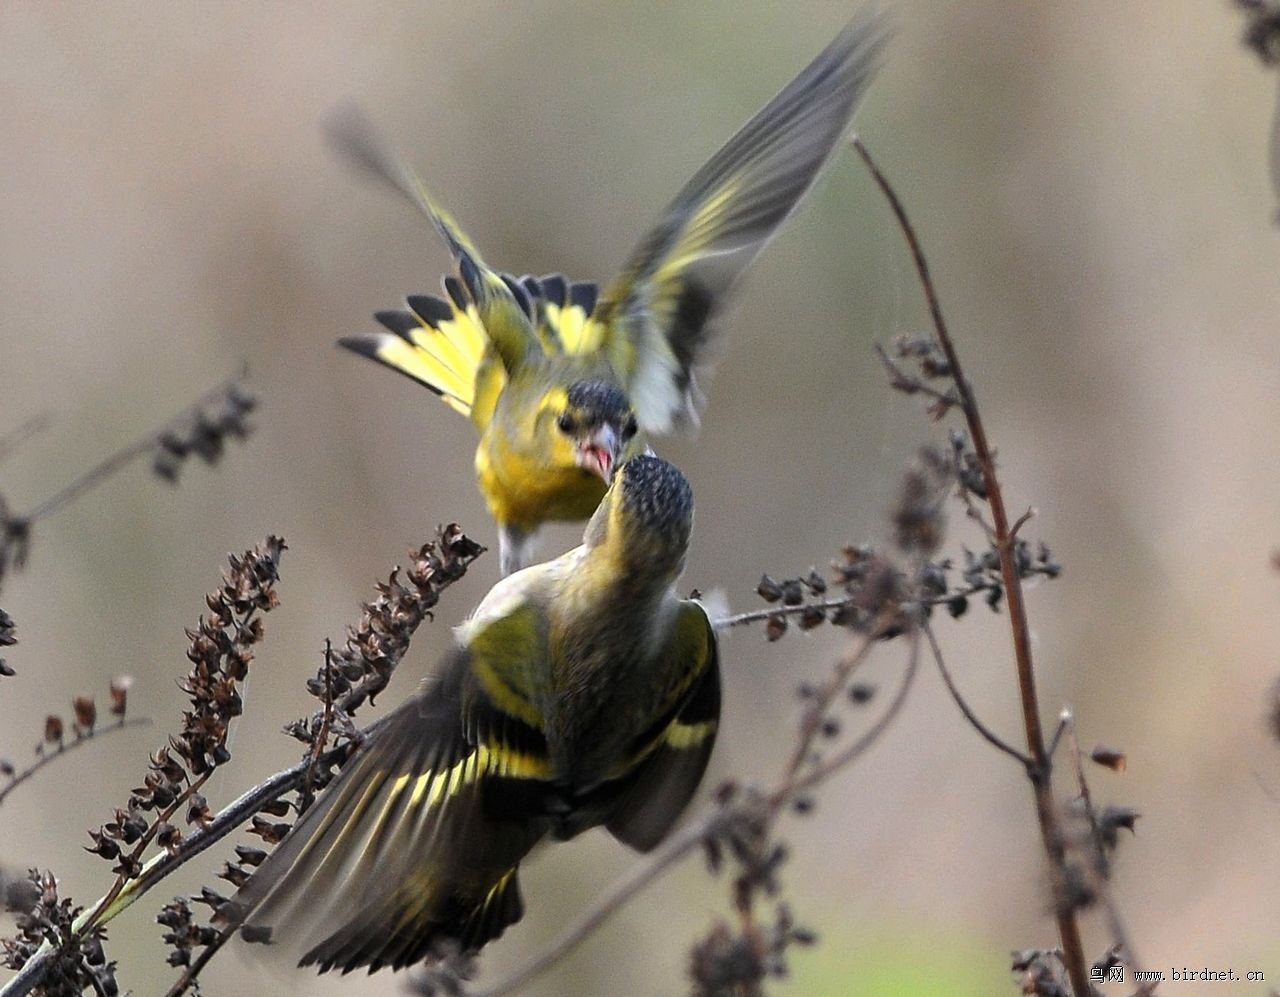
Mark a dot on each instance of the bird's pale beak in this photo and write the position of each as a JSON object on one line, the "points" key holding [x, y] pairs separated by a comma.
{"points": [[598, 451]]}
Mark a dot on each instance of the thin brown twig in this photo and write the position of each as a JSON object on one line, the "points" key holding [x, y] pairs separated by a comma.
{"points": [[987, 733], [686, 840], [1058, 733], [65, 747], [976, 514], [19, 435], [322, 735], [1099, 880], [900, 379], [824, 769], [818, 704], [189, 975], [125, 878], [1021, 521], [1040, 770], [972, 509]]}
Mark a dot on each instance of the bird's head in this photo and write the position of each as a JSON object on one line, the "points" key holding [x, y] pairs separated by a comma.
{"points": [[593, 424], [646, 516]]}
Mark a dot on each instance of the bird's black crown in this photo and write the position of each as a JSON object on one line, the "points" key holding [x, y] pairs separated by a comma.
{"points": [[657, 496]]}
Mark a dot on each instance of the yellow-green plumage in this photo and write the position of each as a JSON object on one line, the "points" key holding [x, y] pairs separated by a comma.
{"points": [[581, 692], [497, 348]]}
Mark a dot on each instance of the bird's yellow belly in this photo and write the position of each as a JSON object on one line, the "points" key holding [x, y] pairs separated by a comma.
{"points": [[524, 492]]}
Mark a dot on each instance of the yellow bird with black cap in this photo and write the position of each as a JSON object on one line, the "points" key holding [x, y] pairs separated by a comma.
{"points": [[560, 379]]}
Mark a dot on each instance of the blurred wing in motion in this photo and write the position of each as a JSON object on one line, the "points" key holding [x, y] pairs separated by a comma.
{"points": [[405, 849], [439, 342], [654, 320]]}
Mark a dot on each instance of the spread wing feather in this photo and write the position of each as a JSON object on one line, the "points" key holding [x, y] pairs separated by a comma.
{"points": [[404, 850], [675, 754], [654, 320]]}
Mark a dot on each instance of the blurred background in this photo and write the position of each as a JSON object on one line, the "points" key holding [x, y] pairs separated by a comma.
{"points": [[1090, 182]]}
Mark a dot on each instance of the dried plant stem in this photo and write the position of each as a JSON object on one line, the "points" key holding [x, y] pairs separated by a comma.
{"points": [[987, 733], [13, 439], [686, 840], [188, 977], [322, 735], [160, 866], [1098, 879], [67, 747], [757, 615], [1040, 770], [123, 880], [829, 605], [95, 476]]}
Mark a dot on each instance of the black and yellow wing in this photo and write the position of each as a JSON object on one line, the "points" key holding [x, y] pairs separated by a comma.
{"points": [[672, 754], [443, 342], [655, 321], [416, 842], [464, 345]]}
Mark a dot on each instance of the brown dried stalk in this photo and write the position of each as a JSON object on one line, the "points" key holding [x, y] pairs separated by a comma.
{"points": [[1039, 770]]}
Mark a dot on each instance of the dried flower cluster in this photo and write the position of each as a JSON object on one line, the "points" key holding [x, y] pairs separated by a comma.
{"points": [[220, 653], [1092, 837], [84, 728], [1262, 32], [184, 934], [730, 961], [878, 594], [884, 593], [362, 667], [79, 964], [8, 637], [1041, 973], [204, 432], [346, 679], [735, 963], [201, 431]]}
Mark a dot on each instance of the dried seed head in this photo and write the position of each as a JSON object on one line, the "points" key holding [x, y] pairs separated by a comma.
{"points": [[768, 589], [860, 693], [919, 519], [120, 686], [86, 713], [1112, 820], [1109, 757]]}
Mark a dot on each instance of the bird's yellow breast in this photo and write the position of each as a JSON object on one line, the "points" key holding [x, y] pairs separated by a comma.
{"points": [[524, 488]]}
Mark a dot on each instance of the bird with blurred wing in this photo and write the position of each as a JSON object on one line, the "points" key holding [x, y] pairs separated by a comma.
{"points": [[581, 692], [561, 380]]}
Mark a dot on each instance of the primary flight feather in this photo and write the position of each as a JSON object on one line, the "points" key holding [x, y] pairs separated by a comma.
{"points": [[558, 377]]}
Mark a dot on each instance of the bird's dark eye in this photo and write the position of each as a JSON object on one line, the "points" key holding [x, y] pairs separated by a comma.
{"points": [[566, 423], [629, 429]]}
